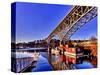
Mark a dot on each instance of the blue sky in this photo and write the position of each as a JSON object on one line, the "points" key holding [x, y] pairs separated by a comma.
{"points": [[36, 21], [88, 30]]}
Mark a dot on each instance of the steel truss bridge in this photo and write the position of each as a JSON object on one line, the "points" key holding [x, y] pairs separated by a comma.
{"points": [[74, 20]]}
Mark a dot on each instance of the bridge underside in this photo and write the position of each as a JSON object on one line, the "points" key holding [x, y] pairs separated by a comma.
{"points": [[74, 20]]}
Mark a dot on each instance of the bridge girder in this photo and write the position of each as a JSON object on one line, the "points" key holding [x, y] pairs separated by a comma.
{"points": [[74, 20]]}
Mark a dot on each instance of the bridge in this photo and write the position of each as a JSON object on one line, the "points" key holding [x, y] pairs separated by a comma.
{"points": [[77, 17], [74, 20]]}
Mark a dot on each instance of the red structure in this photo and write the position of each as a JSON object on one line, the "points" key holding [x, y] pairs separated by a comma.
{"points": [[72, 54]]}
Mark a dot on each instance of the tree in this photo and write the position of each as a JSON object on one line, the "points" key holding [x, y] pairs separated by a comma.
{"points": [[93, 38]]}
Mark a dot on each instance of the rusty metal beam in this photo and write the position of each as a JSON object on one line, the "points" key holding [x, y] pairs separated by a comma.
{"points": [[76, 18]]}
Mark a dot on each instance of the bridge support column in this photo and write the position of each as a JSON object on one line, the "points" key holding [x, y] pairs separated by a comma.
{"points": [[49, 54]]}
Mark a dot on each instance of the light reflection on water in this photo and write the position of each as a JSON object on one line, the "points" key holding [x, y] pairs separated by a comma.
{"points": [[21, 60], [43, 64], [84, 65], [23, 55]]}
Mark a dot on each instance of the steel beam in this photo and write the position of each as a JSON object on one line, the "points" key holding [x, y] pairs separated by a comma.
{"points": [[75, 19]]}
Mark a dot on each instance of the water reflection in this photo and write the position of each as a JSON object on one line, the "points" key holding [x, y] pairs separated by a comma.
{"points": [[21, 59], [84, 65], [42, 64]]}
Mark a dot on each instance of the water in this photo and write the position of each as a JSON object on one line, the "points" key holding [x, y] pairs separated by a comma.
{"points": [[84, 65], [30, 49], [42, 65], [43, 54], [24, 52], [23, 55]]}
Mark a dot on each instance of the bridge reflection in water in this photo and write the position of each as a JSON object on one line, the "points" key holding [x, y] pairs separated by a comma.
{"points": [[71, 58], [27, 62], [58, 64]]}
